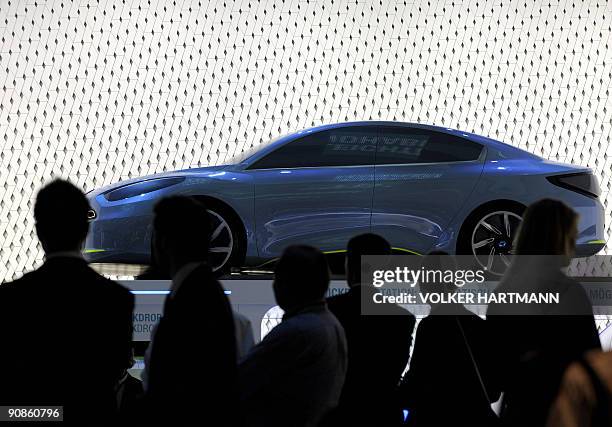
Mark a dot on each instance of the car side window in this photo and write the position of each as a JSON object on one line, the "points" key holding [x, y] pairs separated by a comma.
{"points": [[347, 146], [412, 145]]}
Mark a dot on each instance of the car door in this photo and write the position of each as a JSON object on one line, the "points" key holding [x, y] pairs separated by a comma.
{"points": [[316, 189], [422, 178]]}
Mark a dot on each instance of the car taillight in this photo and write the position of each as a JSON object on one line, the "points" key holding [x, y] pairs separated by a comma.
{"points": [[583, 183]]}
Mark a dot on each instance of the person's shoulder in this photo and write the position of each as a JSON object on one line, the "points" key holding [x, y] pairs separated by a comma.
{"points": [[15, 284], [576, 291], [339, 302], [573, 289], [108, 286], [338, 299], [428, 323], [574, 298], [315, 330], [27, 280], [200, 281], [310, 322]]}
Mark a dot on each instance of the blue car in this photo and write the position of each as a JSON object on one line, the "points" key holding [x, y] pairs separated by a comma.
{"points": [[422, 187]]}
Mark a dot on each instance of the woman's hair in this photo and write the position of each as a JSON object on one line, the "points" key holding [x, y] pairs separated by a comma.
{"points": [[545, 228]]}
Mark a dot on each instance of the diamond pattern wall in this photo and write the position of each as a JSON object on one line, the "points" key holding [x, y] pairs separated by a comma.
{"points": [[99, 90]]}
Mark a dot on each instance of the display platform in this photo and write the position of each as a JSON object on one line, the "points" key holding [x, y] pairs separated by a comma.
{"points": [[252, 296]]}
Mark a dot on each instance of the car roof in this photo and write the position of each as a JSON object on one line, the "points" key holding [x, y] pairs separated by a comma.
{"points": [[509, 150]]}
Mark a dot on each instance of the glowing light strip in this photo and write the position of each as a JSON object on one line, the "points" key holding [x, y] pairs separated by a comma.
{"points": [[163, 292], [406, 250], [339, 251]]}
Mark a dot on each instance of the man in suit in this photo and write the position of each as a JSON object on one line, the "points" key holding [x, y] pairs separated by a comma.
{"points": [[66, 331], [191, 372], [370, 337], [294, 376]]}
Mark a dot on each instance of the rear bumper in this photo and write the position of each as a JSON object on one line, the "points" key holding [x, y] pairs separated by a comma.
{"points": [[589, 249], [591, 227]]}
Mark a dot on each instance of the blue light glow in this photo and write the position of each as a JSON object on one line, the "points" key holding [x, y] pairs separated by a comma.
{"points": [[163, 292]]}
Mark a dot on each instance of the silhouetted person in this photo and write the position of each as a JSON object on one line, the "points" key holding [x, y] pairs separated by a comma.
{"points": [[66, 331], [192, 366], [295, 375], [242, 325], [378, 345], [450, 381], [536, 342]]}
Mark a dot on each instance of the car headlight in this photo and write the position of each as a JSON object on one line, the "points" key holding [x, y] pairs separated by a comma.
{"points": [[140, 188]]}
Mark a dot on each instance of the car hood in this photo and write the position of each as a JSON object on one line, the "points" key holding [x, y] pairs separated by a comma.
{"points": [[200, 171]]}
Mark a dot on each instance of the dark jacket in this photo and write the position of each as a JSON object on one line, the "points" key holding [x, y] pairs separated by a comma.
{"points": [[442, 387], [66, 340], [192, 370], [378, 351], [294, 376], [535, 347]]}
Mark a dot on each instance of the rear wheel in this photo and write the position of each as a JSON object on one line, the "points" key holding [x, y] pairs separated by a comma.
{"points": [[489, 235]]}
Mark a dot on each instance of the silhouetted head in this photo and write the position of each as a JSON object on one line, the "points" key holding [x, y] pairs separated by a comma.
{"points": [[181, 233], [60, 213], [549, 227], [301, 277], [364, 244], [434, 265]]}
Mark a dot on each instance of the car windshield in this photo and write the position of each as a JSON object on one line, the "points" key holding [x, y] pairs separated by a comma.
{"points": [[244, 155]]}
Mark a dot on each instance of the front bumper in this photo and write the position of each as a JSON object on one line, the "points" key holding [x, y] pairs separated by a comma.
{"points": [[120, 232]]}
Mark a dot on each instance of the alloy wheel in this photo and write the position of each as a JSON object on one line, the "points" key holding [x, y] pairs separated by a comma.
{"points": [[492, 240], [221, 241]]}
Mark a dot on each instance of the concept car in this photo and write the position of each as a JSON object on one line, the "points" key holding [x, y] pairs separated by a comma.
{"points": [[422, 187]]}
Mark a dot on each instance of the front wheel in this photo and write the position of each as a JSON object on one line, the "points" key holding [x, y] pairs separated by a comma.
{"points": [[226, 247]]}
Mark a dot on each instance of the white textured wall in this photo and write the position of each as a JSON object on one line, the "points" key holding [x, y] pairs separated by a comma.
{"points": [[98, 91]]}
